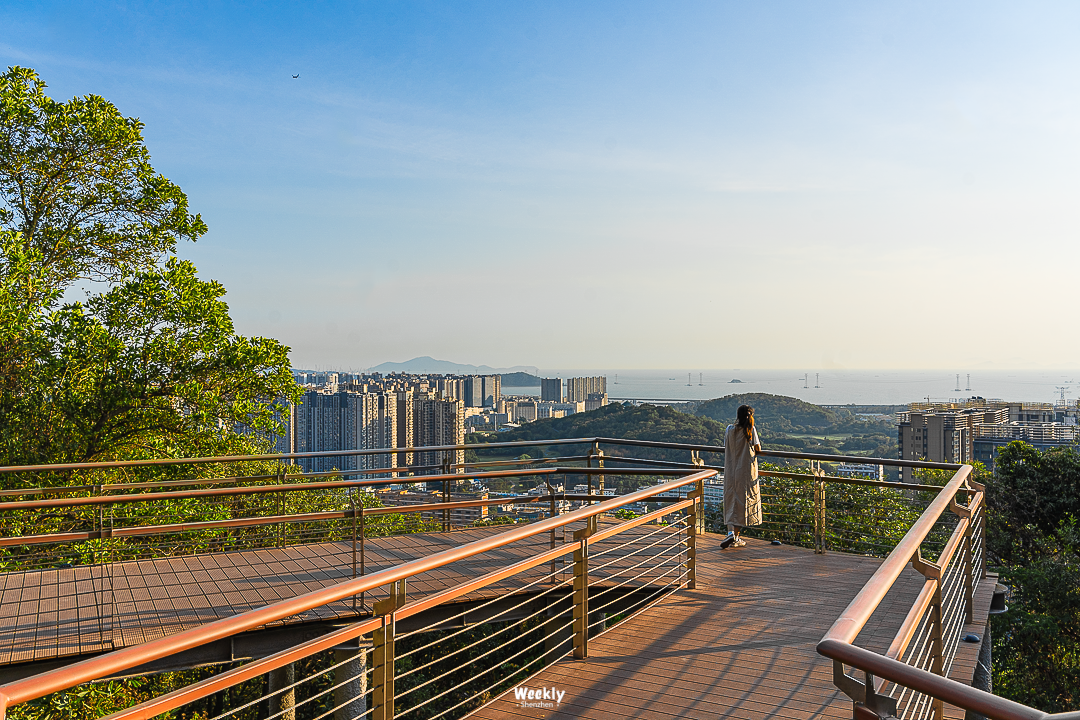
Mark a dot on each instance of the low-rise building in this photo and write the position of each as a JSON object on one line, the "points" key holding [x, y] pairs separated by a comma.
{"points": [[943, 432], [595, 401], [548, 410], [861, 470], [521, 410], [989, 439], [458, 516]]}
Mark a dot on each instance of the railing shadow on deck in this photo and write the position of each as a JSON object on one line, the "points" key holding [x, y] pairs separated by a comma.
{"points": [[450, 660]]}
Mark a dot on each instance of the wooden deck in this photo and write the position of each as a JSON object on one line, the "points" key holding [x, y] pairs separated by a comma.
{"points": [[741, 645], [72, 612]]}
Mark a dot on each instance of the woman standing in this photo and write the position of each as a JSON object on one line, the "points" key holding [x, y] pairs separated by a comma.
{"points": [[742, 494]]}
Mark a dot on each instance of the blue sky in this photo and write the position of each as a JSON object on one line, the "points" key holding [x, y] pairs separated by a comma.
{"points": [[788, 184]]}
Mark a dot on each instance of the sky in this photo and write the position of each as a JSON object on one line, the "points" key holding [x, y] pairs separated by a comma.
{"points": [[610, 184]]}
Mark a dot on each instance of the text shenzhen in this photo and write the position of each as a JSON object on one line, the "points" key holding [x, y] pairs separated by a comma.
{"points": [[541, 697]]}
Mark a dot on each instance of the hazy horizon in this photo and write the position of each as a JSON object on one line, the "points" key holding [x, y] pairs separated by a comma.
{"points": [[773, 185]]}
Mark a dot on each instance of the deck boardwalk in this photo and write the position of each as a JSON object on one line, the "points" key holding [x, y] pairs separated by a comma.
{"points": [[741, 645], [47, 614], [72, 612]]}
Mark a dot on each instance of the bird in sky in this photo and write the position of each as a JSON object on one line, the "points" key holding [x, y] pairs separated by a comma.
{"points": [[296, 76]]}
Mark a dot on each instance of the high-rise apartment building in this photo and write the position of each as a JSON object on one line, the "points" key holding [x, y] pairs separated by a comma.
{"points": [[492, 390], [453, 387], [439, 422], [579, 389], [474, 391], [482, 390], [406, 425], [335, 421], [551, 390], [942, 432]]}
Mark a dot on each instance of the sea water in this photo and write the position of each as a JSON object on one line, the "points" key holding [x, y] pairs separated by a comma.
{"points": [[830, 387]]}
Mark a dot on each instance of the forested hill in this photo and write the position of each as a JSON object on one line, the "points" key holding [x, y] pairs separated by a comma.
{"points": [[787, 423], [775, 413], [644, 422], [784, 423]]}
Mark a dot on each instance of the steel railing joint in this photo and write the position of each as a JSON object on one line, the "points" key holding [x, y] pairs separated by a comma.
{"points": [[852, 687], [924, 567]]}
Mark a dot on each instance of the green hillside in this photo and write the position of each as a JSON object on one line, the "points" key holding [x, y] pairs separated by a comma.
{"points": [[773, 413], [784, 423], [644, 422]]}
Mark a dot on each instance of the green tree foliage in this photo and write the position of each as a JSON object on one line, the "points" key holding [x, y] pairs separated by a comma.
{"points": [[859, 519], [775, 413], [24, 295], [1030, 495], [1033, 509], [151, 367], [76, 182], [781, 420]]}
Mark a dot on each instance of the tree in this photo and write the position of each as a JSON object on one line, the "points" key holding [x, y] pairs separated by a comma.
{"points": [[24, 296], [1029, 496], [1033, 506], [77, 184], [152, 367]]}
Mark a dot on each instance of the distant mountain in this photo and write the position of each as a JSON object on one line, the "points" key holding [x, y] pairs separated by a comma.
{"points": [[445, 367]]}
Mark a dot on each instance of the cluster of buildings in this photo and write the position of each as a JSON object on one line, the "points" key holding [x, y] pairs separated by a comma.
{"points": [[360, 411], [397, 413], [558, 398], [974, 429], [403, 413]]}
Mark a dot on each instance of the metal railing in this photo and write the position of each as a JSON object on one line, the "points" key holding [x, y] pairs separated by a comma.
{"points": [[138, 522], [911, 680], [945, 542], [563, 596]]}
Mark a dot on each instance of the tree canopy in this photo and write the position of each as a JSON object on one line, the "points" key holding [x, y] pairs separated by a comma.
{"points": [[143, 370], [773, 412], [77, 184], [151, 366], [1033, 540]]}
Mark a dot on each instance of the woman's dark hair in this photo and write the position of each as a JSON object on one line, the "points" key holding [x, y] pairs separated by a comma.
{"points": [[746, 422]]}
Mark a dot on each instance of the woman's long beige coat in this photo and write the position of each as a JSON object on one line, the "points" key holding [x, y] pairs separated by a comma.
{"points": [[742, 493]]}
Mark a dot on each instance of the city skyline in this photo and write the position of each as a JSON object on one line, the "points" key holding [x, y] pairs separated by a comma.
{"points": [[820, 175]]}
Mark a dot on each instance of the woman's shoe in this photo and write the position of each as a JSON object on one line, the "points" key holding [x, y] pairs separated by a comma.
{"points": [[727, 541]]}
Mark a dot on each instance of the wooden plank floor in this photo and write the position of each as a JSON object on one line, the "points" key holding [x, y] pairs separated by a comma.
{"points": [[47, 614], [741, 645]]}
